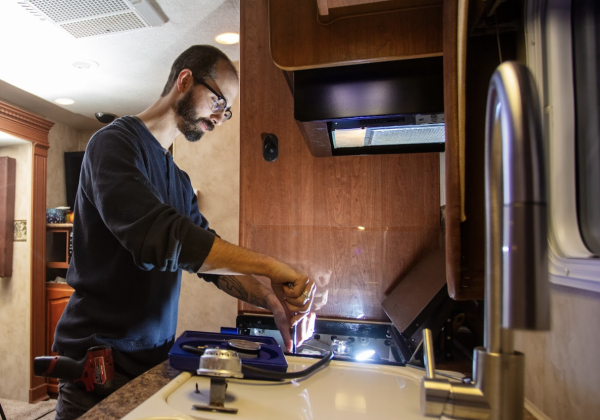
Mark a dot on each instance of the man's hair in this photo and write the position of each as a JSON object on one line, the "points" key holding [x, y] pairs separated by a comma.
{"points": [[202, 60]]}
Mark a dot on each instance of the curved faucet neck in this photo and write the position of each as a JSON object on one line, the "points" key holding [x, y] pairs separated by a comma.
{"points": [[516, 231]]}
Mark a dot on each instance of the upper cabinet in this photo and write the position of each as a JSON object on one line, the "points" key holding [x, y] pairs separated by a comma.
{"points": [[308, 34]]}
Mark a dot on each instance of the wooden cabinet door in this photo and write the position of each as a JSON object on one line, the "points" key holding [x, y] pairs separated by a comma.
{"points": [[57, 296], [390, 30]]}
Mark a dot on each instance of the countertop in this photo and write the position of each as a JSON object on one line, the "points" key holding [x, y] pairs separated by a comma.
{"points": [[121, 402]]}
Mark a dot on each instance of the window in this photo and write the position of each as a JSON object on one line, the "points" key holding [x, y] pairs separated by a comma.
{"points": [[560, 61], [585, 21]]}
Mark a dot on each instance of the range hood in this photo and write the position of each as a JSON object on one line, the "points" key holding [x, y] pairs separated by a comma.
{"points": [[375, 108]]}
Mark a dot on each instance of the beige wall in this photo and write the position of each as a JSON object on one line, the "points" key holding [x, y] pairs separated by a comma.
{"points": [[62, 138], [563, 365], [15, 290], [213, 164]]}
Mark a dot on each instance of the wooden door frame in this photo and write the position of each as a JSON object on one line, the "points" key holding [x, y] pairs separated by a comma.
{"points": [[32, 128]]}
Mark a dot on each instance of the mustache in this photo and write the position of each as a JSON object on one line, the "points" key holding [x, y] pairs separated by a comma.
{"points": [[208, 123]]}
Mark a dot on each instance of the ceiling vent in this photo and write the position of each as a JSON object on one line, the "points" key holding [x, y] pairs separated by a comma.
{"points": [[87, 18]]}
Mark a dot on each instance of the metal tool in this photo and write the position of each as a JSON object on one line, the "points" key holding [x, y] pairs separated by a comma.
{"points": [[95, 371]]}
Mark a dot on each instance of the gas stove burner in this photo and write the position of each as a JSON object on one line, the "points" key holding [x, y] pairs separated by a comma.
{"points": [[245, 347], [221, 363]]}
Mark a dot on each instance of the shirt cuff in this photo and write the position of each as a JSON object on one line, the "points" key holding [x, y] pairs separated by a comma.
{"points": [[195, 248]]}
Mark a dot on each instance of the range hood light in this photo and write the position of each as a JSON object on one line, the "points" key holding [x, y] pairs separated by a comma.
{"points": [[365, 355], [349, 134]]}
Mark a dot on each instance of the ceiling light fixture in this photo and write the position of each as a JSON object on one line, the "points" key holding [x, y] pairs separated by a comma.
{"points": [[64, 101], [85, 64], [228, 38]]}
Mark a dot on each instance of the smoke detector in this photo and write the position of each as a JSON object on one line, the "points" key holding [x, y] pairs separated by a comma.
{"points": [[88, 18]]}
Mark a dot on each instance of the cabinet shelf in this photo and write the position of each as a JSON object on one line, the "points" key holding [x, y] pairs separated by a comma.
{"points": [[53, 264]]}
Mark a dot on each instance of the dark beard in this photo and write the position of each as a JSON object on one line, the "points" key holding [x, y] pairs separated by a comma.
{"points": [[188, 121]]}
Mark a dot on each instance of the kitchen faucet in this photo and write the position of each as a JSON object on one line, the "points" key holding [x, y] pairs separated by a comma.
{"points": [[516, 273]]}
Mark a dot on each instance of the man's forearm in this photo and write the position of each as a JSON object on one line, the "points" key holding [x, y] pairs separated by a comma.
{"points": [[226, 258], [247, 289], [292, 288]]}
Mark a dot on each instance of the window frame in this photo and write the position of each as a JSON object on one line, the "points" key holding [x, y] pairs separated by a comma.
{"points": [[548, 31]]}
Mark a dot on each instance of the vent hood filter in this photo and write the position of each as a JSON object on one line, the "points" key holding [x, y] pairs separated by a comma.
{"points": [[405, 135], [389, 107], [393, 135], [87, 18]]}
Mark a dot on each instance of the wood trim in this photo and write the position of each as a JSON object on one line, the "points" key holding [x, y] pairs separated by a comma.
{"points": [[38, 393], [461, 64], [24, 125], [38, 259], [453, 191], [30, 127]]}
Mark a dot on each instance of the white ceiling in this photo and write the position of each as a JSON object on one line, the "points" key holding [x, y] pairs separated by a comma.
{"points": [[36, 59]]}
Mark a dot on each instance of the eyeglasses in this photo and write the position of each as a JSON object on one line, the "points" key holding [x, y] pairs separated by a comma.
{"points": [[219, 104]]}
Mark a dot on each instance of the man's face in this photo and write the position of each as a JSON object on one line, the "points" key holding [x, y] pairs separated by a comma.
{"points": [[195, 116], [191, 125]]}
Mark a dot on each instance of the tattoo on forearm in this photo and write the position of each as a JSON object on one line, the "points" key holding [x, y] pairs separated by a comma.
{"points": [[261, 302], [233, 287]]}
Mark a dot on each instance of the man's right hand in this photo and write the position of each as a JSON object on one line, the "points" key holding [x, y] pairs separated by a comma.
{"points": [[293, 288]]}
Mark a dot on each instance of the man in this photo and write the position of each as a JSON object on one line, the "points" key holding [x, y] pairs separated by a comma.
{"points": [[137, 225]]}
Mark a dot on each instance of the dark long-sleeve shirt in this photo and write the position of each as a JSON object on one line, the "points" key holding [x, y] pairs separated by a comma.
{"points": [[136, 225]]}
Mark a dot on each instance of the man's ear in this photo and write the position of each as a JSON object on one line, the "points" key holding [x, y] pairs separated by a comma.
{"points": [[185, 81]]}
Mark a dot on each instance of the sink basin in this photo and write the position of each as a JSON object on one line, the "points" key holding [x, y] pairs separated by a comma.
{"points": [[343, 390]]}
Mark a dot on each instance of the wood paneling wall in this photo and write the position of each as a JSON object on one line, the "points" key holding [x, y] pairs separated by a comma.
{"points": [[307, 211]]}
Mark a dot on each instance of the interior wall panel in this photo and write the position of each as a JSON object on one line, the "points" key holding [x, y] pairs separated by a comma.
{"points": [[307, 211]]}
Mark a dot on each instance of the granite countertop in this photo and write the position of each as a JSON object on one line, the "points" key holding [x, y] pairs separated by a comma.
{"points": [[121, 402], [124, 400]]}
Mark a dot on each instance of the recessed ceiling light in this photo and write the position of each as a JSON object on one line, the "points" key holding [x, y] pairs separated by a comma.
{"points": [[228, 38], [64, 101], [85, 64]]}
